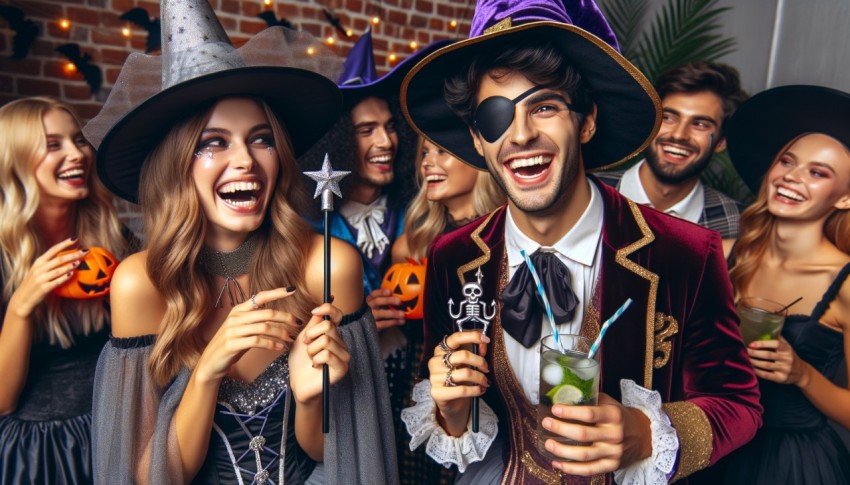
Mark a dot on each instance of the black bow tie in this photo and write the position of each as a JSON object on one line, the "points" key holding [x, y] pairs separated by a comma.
{"points": [[523, 310]]}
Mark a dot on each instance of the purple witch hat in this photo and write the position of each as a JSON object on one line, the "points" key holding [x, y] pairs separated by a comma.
{"points": [[628, 108], [359, 79], [359, 67]]}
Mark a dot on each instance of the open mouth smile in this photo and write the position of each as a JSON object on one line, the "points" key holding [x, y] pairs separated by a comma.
{"points": [[529, 169], [784, 193], [241, 195]]}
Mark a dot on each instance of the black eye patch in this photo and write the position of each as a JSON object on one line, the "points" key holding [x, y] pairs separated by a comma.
{"points": [[495, 114]]}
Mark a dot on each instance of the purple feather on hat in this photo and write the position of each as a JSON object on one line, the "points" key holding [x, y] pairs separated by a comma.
{"points": [[359, 67], [584, 14]]}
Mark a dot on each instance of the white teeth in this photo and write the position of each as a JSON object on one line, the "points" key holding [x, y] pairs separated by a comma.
{"points": [[243, 203], [790, 194], [526, 162], [380, 159], [435, 178], [676, 151], [231, 187], [74, 172]]}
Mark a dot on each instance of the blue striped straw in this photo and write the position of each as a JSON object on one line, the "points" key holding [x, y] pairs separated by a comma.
{"points": [[542, 292], [614, 317]]}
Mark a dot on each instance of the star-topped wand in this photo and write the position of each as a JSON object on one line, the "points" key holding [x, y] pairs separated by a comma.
{"points": [[327, 184]]}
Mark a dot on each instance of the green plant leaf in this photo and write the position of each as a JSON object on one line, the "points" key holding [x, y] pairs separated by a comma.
{"points": [[626, 19], [683, 31]]}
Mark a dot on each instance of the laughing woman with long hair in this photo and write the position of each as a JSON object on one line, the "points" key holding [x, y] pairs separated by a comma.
{"points": [[795, 243], [214, 370], [50, 202]]}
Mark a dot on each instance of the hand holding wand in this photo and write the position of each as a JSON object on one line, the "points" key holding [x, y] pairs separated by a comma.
{"points": [[327, 184]]}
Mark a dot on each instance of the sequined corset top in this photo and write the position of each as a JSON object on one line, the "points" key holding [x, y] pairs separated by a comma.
{"points": [[249, 424]]}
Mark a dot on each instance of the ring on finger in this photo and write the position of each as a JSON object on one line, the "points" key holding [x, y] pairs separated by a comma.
{"points": [[449, 381], [446, 358], [445, 346], [254, 301]]}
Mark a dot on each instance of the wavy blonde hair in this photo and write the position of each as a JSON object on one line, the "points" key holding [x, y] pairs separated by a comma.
{"points": [[758, 226], [172, 212], [23, 142], [425, 219]]}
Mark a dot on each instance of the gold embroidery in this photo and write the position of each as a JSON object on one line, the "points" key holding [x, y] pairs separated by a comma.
{"points": [[540, 473], [476, 238], [622, 259], [696, 440], [503, 24], [665, 327]]}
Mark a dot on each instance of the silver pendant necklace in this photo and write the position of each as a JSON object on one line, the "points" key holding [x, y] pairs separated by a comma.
{"points": [[229, 265]]}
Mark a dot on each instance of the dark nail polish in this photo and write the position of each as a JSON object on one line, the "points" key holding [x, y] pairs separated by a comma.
{"points": [[73, 237], [332, 299], [86, 250], [290, 289]]}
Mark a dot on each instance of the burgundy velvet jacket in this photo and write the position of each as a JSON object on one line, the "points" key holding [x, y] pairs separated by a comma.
{"points": [[680, 336]]}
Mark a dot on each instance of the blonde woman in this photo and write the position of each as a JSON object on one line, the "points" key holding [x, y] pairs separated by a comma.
{"points": [[451, 194], [52, 201], [795, 242], [214, 370]]}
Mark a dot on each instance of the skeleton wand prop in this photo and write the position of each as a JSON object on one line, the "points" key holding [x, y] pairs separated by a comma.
{"points": [[473, 314], [327, 184]]}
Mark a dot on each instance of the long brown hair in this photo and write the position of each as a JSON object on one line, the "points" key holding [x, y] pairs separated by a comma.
{"points": [[23, 141], [758, 226], [172, 211]]}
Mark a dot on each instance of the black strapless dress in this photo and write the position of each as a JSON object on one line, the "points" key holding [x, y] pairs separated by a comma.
{"points": [[47, 440], [796, 445]]}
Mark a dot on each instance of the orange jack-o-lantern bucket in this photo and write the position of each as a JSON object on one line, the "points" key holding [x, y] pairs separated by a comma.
{"points": [[91, 278], [406, 281]]}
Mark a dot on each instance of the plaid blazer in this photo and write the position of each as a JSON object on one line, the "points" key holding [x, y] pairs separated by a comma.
{"points": [[720, 212]]}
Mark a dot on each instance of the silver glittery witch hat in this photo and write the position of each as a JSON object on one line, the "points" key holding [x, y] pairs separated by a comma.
{"points": [[289, 70]]}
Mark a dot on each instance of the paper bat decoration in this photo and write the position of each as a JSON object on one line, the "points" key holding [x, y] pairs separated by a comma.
{"points": [[25, 30], [334, 20], [140, 17], [90, 72], [272, 20]]}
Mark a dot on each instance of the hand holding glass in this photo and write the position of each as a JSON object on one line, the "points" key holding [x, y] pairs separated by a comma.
{"points": [[761, 319]]}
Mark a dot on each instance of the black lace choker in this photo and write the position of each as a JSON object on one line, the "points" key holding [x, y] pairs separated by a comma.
{"points": [[229, 265]]}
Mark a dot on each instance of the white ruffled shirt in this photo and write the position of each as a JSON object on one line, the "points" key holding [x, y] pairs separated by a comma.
{"points": [[367, 220], [690, 208], [580, 251]]}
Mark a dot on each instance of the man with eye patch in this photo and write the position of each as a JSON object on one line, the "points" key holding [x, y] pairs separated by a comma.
{"points": [[697, 99], [539, 96]]}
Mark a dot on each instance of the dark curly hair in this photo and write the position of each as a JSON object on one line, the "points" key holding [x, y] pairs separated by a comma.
{"points": [[700, 76], [341, 146]]}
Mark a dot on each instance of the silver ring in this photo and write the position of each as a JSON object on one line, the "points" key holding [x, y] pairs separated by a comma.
{"points": [[449, 381], [445, 346], [254, 301], [446, 358]]}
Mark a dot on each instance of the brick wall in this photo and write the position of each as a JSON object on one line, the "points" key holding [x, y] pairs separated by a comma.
{"points": [[96, 27]]}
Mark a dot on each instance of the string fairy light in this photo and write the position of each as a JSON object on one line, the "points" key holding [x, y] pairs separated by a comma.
{"points": [[413, 45], [376, 20], [330, 40], [64, 24]]}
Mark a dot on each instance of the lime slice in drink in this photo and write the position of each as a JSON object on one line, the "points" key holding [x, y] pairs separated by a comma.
{"points": [[566, 394], [765, 336]]}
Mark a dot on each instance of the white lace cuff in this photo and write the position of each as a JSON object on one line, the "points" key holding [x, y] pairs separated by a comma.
{"points": [[665, 442], [422, 425]]}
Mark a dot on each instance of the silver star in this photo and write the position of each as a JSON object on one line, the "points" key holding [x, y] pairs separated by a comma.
{"points": [[327, 178]]}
